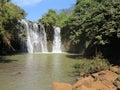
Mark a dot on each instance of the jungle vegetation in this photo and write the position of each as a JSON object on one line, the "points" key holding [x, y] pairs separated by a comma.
{"points": [[53, 18], [9, 16], [93, 26]]}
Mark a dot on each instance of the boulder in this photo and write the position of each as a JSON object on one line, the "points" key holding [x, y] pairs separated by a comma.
{"points": [[98, 85], [116, 69], [107, 75], [117, 84], [84, 88], [61, 86], [85, 81], [103, 80]]}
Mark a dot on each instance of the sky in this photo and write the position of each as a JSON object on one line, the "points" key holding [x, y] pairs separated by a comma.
{"points": [[35, 9]]}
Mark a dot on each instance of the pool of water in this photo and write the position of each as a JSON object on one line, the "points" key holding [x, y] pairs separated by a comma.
{"points": [[35, 71]]}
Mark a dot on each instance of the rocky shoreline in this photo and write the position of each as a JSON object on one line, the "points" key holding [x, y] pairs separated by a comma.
{"points": [[103, 80]]}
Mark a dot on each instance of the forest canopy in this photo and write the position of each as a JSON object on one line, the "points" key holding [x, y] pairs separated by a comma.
{"points": [[95, 24], [9, 16], [91, 24]]}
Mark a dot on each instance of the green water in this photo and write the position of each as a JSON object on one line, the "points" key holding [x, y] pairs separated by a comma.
{"points": [[35, 71]]}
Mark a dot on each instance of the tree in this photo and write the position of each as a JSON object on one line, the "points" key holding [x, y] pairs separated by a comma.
{"points": [[63, 16], [49, 20], [94, 22], [9, 16]]}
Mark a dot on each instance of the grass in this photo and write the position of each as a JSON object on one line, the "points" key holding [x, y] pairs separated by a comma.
{"points": [[89, 66]]}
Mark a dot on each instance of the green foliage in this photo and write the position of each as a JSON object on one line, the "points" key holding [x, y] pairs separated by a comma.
{"points": [[55, 19], [88, 66], [49, 19], [52, 19], [9, 16], [94, 22], [63, 16]]}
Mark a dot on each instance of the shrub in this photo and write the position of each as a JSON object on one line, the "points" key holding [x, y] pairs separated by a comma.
{"points": [[88, 66]]}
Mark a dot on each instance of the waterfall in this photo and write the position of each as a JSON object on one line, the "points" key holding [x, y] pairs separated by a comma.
{"points": [[57, 41], [35, 37]]}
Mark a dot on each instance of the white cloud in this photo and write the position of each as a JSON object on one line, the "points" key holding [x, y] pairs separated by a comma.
{"points": [[26, 2]]}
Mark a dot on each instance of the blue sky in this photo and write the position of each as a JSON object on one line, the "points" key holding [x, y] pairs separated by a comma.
{"points": [[37, 8]]}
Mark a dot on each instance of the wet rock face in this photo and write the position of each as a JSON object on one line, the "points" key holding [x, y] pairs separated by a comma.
{"points": [[104, 80]]}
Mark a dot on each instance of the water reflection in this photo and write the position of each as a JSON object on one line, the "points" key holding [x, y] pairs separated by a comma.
{"points": [[38, 71], [56, 67]]}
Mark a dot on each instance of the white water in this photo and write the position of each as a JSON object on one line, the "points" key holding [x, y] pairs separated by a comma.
{"points": [[57, 41], [36, 37]]}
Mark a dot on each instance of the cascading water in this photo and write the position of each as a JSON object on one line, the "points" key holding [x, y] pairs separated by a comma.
{"points": [[57, 41], [36, 37]]}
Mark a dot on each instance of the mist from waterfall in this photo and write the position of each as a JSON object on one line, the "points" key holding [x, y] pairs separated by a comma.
{"points": [[56, 48], [35, 37]]}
